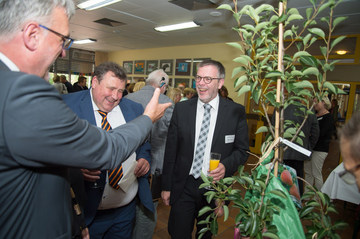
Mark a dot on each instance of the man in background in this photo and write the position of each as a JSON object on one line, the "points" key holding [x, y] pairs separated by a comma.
{"points": [[145, 220], [80, 84], [198, 127], [68, 85], [40, 137], [110, 207]]}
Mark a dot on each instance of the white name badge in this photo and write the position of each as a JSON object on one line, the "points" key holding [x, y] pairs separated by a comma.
{"points": [[229, 139]]}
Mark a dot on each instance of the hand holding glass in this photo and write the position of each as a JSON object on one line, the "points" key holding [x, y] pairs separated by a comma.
{"points": [[214, 161]]}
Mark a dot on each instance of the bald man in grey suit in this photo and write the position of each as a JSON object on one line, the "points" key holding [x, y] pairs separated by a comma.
{"points": [[39, 135]]}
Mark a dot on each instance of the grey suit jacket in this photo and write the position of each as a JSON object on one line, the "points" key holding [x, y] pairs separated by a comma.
{"points": [[39, 138], [160, 128]]}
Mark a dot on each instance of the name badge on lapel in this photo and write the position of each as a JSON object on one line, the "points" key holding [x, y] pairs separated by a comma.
{"points": [[229, 139]]}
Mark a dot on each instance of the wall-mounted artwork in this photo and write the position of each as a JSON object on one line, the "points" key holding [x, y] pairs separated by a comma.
{"points": [[182, 67], [151, 66], [196, 63], [139, 67], [128, 66], [167, 66]]}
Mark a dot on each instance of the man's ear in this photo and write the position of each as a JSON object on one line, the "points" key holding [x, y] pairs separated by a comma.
{"points": [[94, 82], [31, 35], [221, 83]]}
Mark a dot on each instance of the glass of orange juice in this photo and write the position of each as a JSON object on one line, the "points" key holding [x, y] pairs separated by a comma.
{"points": [[214, 160]]}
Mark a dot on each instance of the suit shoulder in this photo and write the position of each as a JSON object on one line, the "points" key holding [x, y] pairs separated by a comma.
{"points": [[131, 104]]}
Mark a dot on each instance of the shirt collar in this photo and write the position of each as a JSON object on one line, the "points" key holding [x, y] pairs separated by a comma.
{"points": [[214, 103], [8, 62]]}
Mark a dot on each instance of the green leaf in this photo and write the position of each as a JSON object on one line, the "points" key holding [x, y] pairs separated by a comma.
{"points": [[306, 39], [323, 50], [226, 7], [214, 227], [317, 31], [288, 33], [204, 178], [244, 89], [309, 11], [244, 59], [236, 71], [204, 210], [279, 193], [260, 26], [336, 41], [209, 195], [305, 211], [295, 73], [304, 84], [311, 71], [226, 212], [308, 61], [294, 17], [264, 7], [338, 20], [321, 8], [239, 81], [282, 18], [262, 129], [270, 235], [236, 45], [301, 53], [273, 74], [330, 86]]}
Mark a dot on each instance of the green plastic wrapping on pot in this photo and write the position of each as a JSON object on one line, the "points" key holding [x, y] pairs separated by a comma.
{"points": [[287, 222]]}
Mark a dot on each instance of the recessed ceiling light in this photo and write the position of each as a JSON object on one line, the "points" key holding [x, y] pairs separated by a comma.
{"points": [[341, 52], [179, 26], [85, 41], [95, 4]]}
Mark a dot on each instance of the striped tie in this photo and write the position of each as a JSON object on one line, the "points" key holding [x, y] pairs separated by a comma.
{"points": [[201, 144], [116, 174]]}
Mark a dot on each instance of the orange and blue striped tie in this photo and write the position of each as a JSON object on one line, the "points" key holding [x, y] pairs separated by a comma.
{"points": [[116, 174]]}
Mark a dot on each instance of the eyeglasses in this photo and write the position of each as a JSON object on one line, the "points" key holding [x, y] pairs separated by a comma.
{"points": [[67, 41], [348, 175], [207, 79]]}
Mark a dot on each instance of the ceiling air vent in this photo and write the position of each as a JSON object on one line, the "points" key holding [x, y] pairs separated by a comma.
{"points": [[109, 22], [193, 5]]}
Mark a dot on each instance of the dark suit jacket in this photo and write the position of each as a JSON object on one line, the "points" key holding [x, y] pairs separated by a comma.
{"points": [[231, 120], [80, 102], [39, 138]]}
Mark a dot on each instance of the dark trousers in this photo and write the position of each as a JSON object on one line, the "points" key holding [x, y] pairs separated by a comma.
{"points": [[113, 223], [299, 167], [185, 210]]}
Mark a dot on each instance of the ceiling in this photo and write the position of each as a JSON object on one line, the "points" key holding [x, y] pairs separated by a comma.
{"points": [[134, 22]]}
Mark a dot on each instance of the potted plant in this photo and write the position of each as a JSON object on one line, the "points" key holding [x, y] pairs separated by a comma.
{"points": [[267, 69]]}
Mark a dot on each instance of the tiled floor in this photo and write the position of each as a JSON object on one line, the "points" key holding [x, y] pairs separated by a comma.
{"points": [[226, 229]]}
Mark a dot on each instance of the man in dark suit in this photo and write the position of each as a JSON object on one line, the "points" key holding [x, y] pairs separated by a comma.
{"points": [[109, 212], [190, 142], [40, 137]]}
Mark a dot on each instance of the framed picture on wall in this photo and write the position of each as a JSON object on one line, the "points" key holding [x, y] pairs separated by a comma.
{"points": [[167, 66], [139, 67], [151, 66], [182, 67], [196, 63], [128, 66]]}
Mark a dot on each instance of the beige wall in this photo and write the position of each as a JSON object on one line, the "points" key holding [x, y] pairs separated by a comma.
{"points": [[220, 52]]}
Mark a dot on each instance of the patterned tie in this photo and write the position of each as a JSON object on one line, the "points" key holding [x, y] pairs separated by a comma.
{"points": [[201, 144], [116, 174]]}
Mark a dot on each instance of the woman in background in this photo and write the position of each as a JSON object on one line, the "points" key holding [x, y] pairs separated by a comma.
{"points": [[313, 168], [174, 94]]}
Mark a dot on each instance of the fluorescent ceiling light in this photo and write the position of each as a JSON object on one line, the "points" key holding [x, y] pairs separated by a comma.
{"points": [[85, 41], [94, 4], [176, 26]]}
